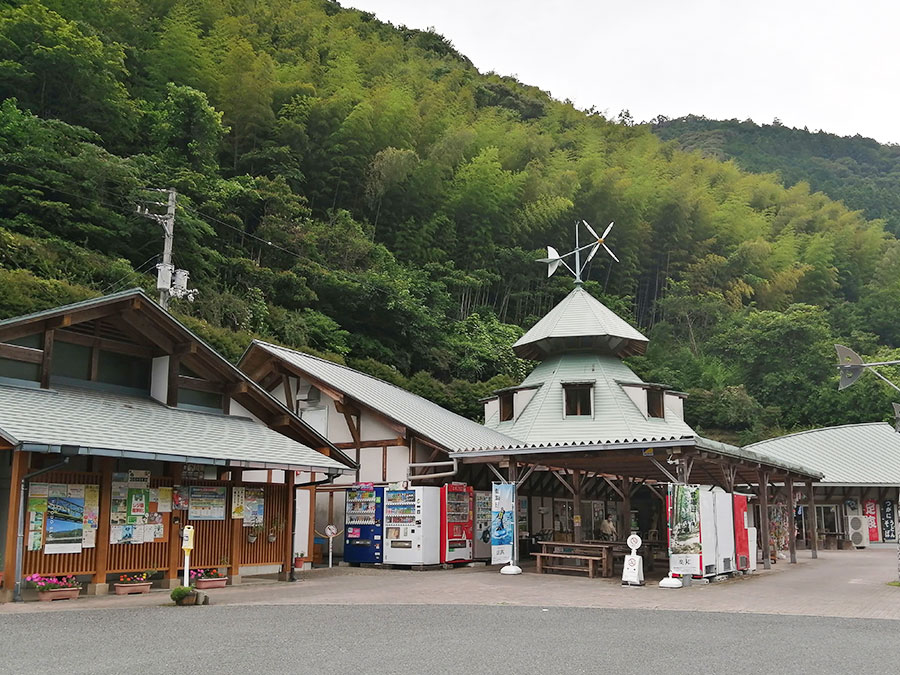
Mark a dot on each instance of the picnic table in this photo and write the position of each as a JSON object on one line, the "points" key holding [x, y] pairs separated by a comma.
{"points": [[621, 548], [562, 556]]}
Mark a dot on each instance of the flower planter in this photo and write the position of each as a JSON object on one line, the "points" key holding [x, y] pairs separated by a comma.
{"points": [[189, 599], [58, 594], [272, 538], [203, 584], [132, 589], [251, 538]]}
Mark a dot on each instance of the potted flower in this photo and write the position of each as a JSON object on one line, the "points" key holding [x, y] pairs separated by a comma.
{"points": [[276, 526], [134, 584], [254, 531], [54, 588], [184, 595], [202, 579]]}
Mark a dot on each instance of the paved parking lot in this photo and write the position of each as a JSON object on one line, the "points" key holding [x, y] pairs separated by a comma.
{"points": [[848, 584]]}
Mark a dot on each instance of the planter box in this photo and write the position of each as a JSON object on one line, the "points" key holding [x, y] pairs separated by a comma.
{"points": [[190, 599], [132, 589], [58, 594], [203, 584]]}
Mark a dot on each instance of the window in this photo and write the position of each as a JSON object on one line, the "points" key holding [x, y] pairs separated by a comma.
{"points": [[578, 399], [655, 403], [124, 371], [20, 370], [506, 406]]}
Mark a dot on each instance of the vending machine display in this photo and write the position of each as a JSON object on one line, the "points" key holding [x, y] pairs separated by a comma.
{"points": [[363, 524], [482, 548], [741, 534], [412, 531], [457, 513]]}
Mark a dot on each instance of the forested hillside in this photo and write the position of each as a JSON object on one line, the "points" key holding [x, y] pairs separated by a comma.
{"points": [[357, 189], [859, 171]]}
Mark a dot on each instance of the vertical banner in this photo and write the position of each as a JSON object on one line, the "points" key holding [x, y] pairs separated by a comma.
{"points": [[684, 529], [888, 525], [65, 519], [870, 511], [503, 522]]}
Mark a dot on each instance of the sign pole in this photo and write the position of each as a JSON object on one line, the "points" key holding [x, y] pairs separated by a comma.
{"points": [[187, 545]]}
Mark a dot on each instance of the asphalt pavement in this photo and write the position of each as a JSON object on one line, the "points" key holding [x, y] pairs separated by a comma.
{"points": [[458, 639]]}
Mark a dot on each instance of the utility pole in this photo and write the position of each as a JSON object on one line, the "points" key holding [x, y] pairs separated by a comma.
{"points": [[169, 281]]}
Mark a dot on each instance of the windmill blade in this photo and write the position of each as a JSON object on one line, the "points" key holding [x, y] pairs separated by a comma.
{"points": [[590, 229], [552, 255], [611, 254], [551, 268], [592, 253], [608, 228], [850, 365]]}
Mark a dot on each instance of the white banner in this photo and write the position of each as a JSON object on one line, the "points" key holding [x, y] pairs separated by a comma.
{"points": [[503, 522]]}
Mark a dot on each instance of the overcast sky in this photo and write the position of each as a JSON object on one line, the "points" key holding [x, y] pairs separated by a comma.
{"points": [[828, 65]]}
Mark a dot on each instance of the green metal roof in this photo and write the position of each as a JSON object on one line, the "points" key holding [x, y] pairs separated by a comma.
{"points": [[121, 425], [853, 454], [418, 414], [580, 321]]}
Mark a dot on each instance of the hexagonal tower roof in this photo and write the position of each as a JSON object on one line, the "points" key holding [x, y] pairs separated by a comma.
{"points": [[580, 322]]}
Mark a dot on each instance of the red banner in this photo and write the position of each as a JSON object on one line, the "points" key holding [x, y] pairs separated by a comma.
{"points": [[870, 511]]}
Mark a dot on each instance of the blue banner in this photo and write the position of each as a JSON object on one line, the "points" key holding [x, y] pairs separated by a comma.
{"points": [[503, 522]]}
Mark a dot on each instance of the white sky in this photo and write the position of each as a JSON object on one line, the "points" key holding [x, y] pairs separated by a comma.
{"points": [[829, 64]]}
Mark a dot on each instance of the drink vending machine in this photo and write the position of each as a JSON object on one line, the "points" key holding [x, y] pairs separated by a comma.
{"points": [[363, 527], [456, 523], [741, 534], [482, 548], [412, 530]]}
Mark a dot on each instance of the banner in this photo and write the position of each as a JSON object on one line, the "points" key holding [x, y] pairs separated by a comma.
{"points": [[888, 526], [503, 522], [65, 519], [684, 529], [870, 511]]}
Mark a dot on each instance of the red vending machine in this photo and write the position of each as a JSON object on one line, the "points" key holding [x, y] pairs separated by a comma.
{"points": [[457, 514], [741, 534]]}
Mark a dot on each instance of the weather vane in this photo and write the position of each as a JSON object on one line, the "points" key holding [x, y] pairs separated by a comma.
{"points": [[554, 259]]}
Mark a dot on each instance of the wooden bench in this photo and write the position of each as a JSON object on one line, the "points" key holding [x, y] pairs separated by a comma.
{"points": [[585, 553], [590, 568]]}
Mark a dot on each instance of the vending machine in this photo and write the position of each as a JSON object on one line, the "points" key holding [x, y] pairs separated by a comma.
{"points": [[701, 531], [363, 527], [412, 526], [716, 531], [482, 548], [457, 514], [741, 534]]}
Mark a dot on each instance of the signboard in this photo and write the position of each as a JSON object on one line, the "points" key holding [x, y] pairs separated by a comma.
{"points": [[870, 511], [65, 519], [206, 503], [684, 529], [633, 571], [888, 525], [503, 525]]}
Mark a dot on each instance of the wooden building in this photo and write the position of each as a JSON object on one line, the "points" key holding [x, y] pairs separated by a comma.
{"points": [[135, 416]]}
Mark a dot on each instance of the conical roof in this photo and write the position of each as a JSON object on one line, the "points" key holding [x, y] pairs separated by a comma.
{"points": [[580, 322]]}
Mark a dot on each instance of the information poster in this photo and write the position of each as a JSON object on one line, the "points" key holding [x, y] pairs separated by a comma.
{"points": [[180, 498], [91, 517], [139, 479], [237, 502], [138, 501], [207, 503], [503, 525], [254, 506], [37, 497], [870, 511], [888, 524], [165, 500], [65, 519], [684, 540]]}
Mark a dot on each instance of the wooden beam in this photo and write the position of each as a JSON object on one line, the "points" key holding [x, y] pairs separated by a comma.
{"points": [[20, 461], [280, 421], [236, 525], [101, 564], [197, 384], [288, 394], [614, 487], [151, 330], [17, 353], [47, 360], [174, 561], [764, 517], [811, 518], [387, 442], [237, 388], [626, 507], [288, 520], [577, 535], [105, 344], [173, 381], [791, 524]]}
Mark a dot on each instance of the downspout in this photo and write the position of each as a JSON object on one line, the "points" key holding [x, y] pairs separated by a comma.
{"points": [[68, 452], [328, 478], [423, 476]]}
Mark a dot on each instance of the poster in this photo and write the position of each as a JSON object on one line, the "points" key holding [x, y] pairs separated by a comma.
{"points": [[139, 479], [138, 501], [888, 526], [180, 498], [91, 516], [65, 520], [115, 534], [503, 526], [88, 538], [684, 529], [870, 511], [237, 502], [35, 539], [254, 506], [207, 503], [165, 500], [37, 497]]}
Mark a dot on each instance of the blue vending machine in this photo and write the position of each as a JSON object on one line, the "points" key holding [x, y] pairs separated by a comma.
{"points": [[363, 524]]}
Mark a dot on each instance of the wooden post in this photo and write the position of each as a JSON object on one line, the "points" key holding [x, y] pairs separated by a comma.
{"points": [[764, 517], [237, 533], [312, 521], [289, 524], [19, 468], [47, 359], [175, 533], [578, 537], [626, 508], [811, 518], [172, 383], [792, 519], [102, 561]]}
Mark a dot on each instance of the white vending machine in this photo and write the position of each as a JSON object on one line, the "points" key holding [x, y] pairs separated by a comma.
{"points": [[412, 526], [482, 525], [716, 531]]}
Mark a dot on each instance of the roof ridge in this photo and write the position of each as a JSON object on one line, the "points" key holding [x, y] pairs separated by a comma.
{"points": [[818, 429]]}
